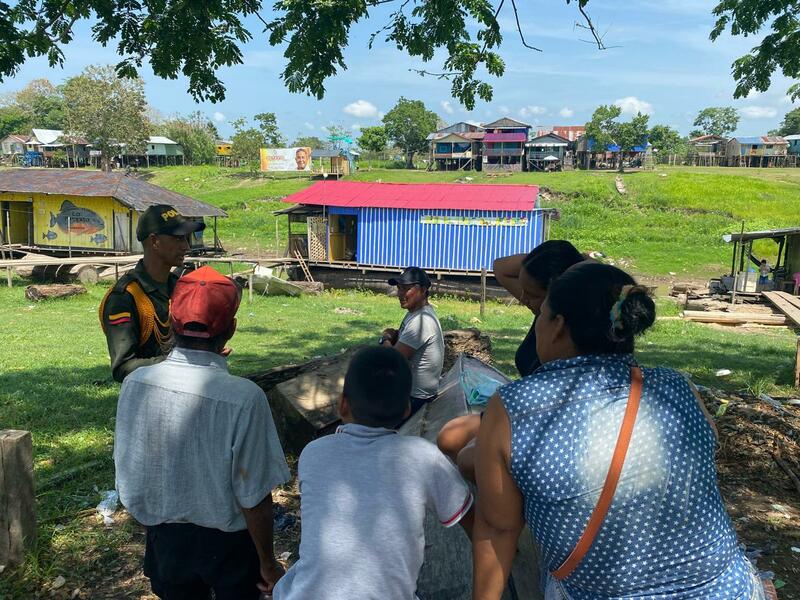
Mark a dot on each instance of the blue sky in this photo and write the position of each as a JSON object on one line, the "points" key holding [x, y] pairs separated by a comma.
{"points": [[662, 63]]}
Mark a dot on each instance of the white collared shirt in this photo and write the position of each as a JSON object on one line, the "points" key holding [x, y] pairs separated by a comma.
{"points": [[194, 443]]}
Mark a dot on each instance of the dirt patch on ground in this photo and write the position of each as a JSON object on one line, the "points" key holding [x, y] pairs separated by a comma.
{"points": [[760, 496]]}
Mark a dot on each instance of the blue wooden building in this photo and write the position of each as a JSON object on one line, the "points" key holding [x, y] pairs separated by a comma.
{"points": [[457, 228]]}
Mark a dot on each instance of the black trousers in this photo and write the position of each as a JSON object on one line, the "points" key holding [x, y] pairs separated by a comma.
{"points": [[186, 561]]}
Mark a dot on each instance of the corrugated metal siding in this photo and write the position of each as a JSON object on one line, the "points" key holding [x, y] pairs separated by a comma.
{"points": [[396, 237]]}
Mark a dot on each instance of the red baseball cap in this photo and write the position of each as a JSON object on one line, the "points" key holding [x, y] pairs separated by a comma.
{"points": [[205, 299]]}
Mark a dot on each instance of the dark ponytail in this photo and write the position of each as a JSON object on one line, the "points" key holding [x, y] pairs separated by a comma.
{"points": [[603, 307], [549, 260]]}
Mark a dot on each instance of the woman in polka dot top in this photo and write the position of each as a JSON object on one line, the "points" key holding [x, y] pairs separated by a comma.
{"points": [[545, 445]]}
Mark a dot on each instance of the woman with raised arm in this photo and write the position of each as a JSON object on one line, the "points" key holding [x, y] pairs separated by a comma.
{"points": [[610, 465], [526, 277]]}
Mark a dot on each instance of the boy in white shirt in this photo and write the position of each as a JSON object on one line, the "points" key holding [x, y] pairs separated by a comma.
{"points": [[365, 490]]}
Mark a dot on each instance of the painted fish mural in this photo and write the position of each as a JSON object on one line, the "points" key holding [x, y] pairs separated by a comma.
{"points": [[50, 235], [80, 221], [99, 239]]}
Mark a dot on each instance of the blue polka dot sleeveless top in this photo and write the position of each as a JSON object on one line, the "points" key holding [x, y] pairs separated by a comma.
{"points": [[667, 534]]}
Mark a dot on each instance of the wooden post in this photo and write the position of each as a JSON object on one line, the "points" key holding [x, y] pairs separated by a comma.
{"points": [[797, 365], [17, 497], [483, 290], [250, 287]]}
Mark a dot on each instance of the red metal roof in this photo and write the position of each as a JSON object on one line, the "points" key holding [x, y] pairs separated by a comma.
{"points": [[457, 196], [505, 137]]}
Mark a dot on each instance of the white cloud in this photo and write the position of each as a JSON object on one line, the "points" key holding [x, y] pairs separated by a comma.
{"points": [[219, 117], [530, 111], [632, 105], [471, 122], [447, 107], [309, 126], [325, 129], [356, 126], [758, 112], [566, 112], [361, 109], [503, 109]]}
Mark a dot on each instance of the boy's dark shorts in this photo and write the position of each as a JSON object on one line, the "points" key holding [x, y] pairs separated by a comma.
{"points": [[185, 561]]}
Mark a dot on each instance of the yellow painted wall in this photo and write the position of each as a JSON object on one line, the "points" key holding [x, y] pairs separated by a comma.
{"points": [[91, 220]]}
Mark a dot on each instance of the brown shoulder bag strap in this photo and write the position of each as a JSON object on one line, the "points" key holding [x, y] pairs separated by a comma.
{"points": [[612, 478]]}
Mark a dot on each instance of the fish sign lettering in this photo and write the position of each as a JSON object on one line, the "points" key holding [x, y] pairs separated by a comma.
{"points": [[76, 220]]}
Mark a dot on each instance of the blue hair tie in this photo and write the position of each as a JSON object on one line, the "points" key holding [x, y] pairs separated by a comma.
{"points": [[615, 315]]}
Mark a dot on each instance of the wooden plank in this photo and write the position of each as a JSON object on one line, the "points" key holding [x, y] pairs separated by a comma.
{"points": [[733, 318], [17, 497], [785, 303]]}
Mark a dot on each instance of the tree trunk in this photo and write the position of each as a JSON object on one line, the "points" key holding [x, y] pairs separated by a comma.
{"points": [[409, 159], [44, 292]]}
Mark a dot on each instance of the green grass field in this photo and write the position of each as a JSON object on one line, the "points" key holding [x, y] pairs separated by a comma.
{"points": [[55, 382], [671, 220]]}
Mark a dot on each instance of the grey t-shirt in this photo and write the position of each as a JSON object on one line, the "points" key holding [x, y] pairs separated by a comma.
{"points": [[364, 493], [194, 443], [421, 331]]}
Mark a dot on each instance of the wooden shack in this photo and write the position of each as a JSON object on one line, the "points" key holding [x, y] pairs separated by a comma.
{"points": [[757, 151], [504, 145], [334, 162], [62, 211], [546, 152], [745, 262], [457, 147], [707, 150]]}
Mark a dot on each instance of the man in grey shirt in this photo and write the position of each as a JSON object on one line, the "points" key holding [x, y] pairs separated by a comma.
{"points": [[419, 338], [197, 456], [365, 491]]}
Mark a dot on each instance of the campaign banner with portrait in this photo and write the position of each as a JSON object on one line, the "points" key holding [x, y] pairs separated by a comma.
{"points": [[285, 159]]}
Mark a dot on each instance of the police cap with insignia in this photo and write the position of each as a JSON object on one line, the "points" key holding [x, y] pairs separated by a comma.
{"points": [[163, 219]]}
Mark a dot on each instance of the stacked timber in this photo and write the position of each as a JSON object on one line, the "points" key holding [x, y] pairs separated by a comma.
{"points": [[734, 318]]}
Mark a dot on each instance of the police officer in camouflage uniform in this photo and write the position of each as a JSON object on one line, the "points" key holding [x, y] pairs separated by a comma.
{"points": [[135, 312]]}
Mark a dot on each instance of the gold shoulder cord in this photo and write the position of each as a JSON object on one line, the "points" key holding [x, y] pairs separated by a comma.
{"points": [[148, 317]]}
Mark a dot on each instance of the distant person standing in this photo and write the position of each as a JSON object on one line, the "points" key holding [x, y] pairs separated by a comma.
{"points": [[419, 338], [197, 456], [134, 313], [763, 270]]}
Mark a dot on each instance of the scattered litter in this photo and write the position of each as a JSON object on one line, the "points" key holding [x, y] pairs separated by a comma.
{"points": [[779, 583], [793, 402], [285, 556], [795, 549], [773, 403], [2, 568], [75, 593], [59, 527], [673, 273], [58, 582], [281, 519], [108, 506], [595, 254], [723, 407], [723, 373], [782, 509]]}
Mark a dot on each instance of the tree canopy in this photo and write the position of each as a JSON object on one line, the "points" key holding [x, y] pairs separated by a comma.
{"points": [[408, 124], [716, 120], [666, 140], [196, 134], [778, 51], [268, 124], [604, 130], [790, 124], [309, 141], [108, 111], [39, 104], [196, 39]]}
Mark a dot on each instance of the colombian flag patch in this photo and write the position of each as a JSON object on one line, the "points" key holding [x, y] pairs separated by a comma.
{"points": [[119, 318]]}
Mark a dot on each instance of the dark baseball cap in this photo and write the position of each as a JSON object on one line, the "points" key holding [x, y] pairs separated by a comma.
{"points": [[163, 219], [411, 276]]}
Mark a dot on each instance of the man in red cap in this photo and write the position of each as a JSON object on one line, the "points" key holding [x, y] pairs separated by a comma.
{"points": [[197, 456]]}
